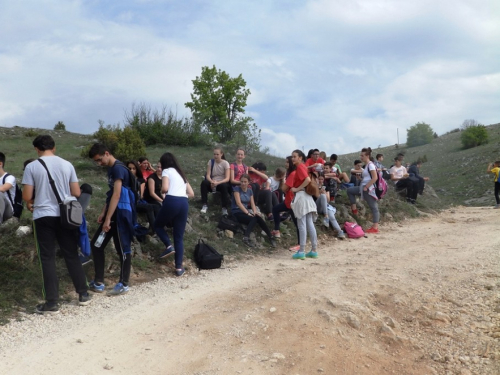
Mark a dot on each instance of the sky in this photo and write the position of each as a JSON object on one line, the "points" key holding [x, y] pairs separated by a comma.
{"points": [[336, 75]]}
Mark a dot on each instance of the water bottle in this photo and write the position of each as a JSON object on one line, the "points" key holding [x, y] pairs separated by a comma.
{"points": [[100, 239]]}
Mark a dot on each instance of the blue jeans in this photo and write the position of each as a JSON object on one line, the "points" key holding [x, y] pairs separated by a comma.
{"points": [[173, 210]]}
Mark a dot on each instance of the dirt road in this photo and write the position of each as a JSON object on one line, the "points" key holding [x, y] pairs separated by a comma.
{"points": [[421, 297]]}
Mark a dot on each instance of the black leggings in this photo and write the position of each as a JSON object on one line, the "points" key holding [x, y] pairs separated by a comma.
{"points": [[250, 222], [281, 207], [411, 185], [151, 211], [224, 189], [497, 190]]}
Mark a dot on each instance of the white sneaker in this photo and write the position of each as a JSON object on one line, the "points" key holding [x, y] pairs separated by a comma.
{"points": [[224, 211], [204, 209]]}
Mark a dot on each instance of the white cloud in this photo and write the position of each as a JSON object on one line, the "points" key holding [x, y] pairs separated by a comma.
{"points": [[279, 144]]}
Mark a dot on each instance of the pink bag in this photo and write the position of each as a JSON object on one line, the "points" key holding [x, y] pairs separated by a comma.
{"points": [[353, 230]]}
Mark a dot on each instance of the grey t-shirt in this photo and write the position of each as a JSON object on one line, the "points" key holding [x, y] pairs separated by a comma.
{"points": [[35, 175]]}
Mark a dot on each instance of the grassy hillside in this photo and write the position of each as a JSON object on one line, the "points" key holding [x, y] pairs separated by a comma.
{"points": [[458, 176]]}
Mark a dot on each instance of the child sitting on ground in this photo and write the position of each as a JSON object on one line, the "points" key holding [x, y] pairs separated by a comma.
{"points": [[275, 184], [328, 211], [332, 181], [356, 172]]}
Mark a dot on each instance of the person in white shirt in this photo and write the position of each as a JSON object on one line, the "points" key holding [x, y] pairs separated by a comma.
{"points": [[7, 192], [174, 208], [402, 180]]}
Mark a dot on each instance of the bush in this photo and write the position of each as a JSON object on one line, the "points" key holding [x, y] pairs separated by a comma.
{"points": [[31, 133], [419, 134], [124, 144], [473, 136], [163, 127], [60, 126]]}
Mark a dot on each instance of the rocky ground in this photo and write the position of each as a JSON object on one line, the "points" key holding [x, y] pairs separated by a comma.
{"points": [[421, 297]]}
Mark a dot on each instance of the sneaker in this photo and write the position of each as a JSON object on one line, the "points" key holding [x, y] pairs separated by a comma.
{"points": [[204, 209], [294, 248], [276, 233], [326, 222], [84, 299], [168, 251], [299, 255], [224, 211], [247, 242], [312, 254], [96, 288], [270, 217], [497, 206], [355, 212], [341, 235], [118, 290], [45, 308], [84, 260], [371, 230], [180, 272], [273, 242]]}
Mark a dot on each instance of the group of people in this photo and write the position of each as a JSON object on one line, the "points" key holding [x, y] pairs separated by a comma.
{"points": [[162, 194]]}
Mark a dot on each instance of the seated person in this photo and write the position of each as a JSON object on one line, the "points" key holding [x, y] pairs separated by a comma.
{"points": [[146, 167], [380, 166], [327, 210], [342, 175], [152, 192], [315, 163], [414, 171], [216, 179], [332, 181], [262, 195], [356, 173], [275, 184], [244, 211], [7, 192], [403, 180]]}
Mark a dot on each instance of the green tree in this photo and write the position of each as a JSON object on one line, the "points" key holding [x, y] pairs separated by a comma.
{"points": [[419, 134], [218, 105], [60, 126], [474, 135]]}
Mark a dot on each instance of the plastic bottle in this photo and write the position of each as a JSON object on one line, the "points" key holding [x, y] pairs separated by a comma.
{"points": [[100, 239]]}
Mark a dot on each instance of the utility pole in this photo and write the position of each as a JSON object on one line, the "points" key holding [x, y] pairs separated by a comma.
{"points": [[397, 130]]}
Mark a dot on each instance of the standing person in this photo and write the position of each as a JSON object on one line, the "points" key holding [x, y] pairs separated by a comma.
{"points": [[366, 189], [116, 221], [7, 192], [494, 168], [216, 179], [244, 210], [174, 210], [303, 207], [47, 222]]}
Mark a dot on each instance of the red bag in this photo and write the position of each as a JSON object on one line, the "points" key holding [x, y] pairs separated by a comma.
{"points": [[353, 230]]}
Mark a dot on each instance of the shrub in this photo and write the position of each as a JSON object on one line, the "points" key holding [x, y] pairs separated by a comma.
{"points": [[31, 133], [124, 144], [473, 136], [419, 134], [60, 126]]}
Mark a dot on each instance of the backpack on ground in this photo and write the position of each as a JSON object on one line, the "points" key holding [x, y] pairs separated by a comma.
{"points": [[353, 230], [16, 200], [206, 257], [228, 223]]}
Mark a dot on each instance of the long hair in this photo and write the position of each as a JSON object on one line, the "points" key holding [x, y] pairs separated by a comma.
{"points": [[223, 157], [301, 154], [367, 151], [138, 171], [168, 160], [291, 166]]}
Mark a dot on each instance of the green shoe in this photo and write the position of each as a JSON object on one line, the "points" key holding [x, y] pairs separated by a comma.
{"points": [[312, 254], [299, 255]]}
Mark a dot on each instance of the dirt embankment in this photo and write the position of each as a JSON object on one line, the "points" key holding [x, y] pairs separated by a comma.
{"points": [[421, 297]]}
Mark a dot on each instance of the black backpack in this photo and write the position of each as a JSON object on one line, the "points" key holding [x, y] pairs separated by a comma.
{"points": [[206, 257], [227, 222], [17, 202]]}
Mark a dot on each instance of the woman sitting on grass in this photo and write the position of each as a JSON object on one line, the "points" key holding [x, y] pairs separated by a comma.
{"points": [[244, 210]]}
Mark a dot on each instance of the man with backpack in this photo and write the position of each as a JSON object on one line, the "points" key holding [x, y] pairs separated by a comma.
{"points": [[8, 194], [116, 220]]}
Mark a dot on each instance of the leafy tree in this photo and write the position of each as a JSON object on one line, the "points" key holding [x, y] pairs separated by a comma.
{"points": [[419, 134], [124, 144], [218, 105], [60, 126], [474, 135]]}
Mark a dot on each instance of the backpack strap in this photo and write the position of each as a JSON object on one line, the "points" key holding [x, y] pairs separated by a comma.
{"points": [[212, 161], [51, 181], [8, 191]]}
